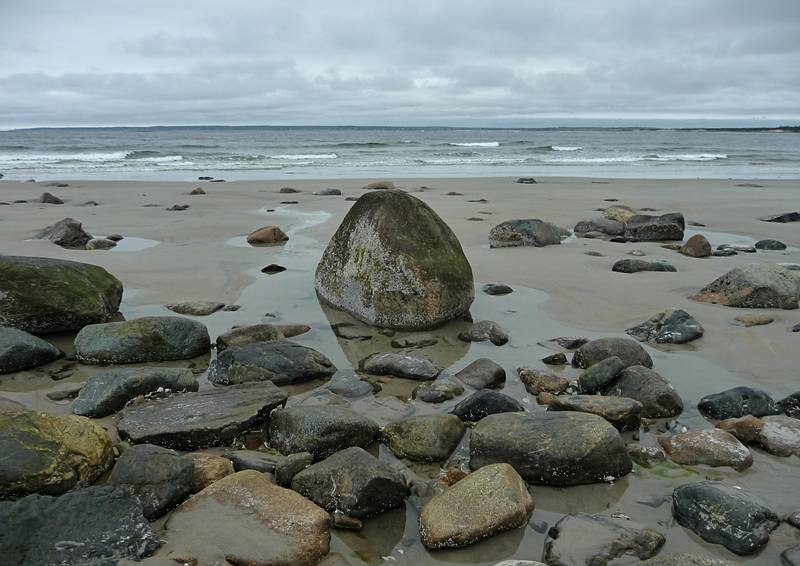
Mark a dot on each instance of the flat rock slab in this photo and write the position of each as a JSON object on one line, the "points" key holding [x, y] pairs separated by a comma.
{"points": [[50, 454], [147, 339], [399, 365], [558, 448], [98, 525], [206, 418], [632, 265], [724, 515], [109, 391], [196, 308], [486, 502], [245, 519], [623, 413], [281, 362], [598, 539], [20, 350]]}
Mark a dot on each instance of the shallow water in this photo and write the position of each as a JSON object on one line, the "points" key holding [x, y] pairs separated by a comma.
{"points": [[393, 537]]}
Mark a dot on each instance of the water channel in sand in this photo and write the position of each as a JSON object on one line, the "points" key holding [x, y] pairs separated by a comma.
{"points": [[393, 536]]}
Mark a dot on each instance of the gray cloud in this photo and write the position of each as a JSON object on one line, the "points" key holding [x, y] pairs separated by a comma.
{"points": [[413, 63]]}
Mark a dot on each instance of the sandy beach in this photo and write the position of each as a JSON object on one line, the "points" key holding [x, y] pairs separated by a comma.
{"points": [[200, 254]]}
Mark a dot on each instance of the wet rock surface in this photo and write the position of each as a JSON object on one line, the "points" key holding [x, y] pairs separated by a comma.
{"points": [[737, 402], [487, 501], [196, 308], [482, 373], [598, 376], [212, 417], [714, 447], [649, 228], [553, 448], [721, 514], [483, 403], [485, 331], [633, 265], [672, 326], [627, 350], [425, 438], [656, 394], [282, 362], [759, 286], [399, 365], [244, 335], [530, 232], [20, 350], [41, 529], [624, 414]]}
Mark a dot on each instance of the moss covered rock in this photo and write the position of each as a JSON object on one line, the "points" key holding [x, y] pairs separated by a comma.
{"points": [[42, 295], [147, 339], [50, 454], [393, 262]]}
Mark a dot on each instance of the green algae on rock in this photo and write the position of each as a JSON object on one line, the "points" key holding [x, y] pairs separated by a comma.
{"points": [[42, 295], [50, 454], [394, 263]]}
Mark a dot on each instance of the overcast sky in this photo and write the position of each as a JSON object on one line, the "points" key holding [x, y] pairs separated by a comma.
{"points": [[460, 62]]}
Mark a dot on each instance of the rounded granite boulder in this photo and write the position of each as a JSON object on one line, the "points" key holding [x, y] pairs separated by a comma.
{"points": [[394, 263]]}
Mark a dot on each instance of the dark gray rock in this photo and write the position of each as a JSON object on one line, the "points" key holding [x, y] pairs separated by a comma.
{"points": [[724, 252], [791, 405], [290, 466], [148, 339], [738, 402], [243, 335], [483, 403], [756, 286], [497, 289], [529, 232], [791, 556], [566, 342], [654, 392], [352, 482], [623, 413], [320, 430], [399, 365], [558, 359], [281, 362], [770, 245], [485, 330], [782, 217], [350, 386], [196, 308], [109, 391], [526, 181], [424, 438], [483, 373], [212, 417], [602, 225], [721, 514], [42, 295], [67, 233], [437, 391], [97, 526], [672, 326], [287, 190], [627, 350], [49, 198], [20, 351], [263, 462], [329, 192], [158, 477], [553, 448], [598, 376], [633, 265], [598, 539], [646, 228]]}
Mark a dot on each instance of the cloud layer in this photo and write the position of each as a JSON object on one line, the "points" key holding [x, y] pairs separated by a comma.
{"points": [[411, 63]]}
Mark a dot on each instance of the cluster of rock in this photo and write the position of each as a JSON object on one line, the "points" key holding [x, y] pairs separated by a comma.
{"points": [[69, 233], [623, 223]]}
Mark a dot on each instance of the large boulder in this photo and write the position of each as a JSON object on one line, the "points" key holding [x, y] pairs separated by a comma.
{"points": [[281, 362], [627, 350], [655, 228], [529, 232], [483, 373], [42, 295], [738, 402], [558, 448], [657, 395], [724, 515], [213, 417], [109, 391], [671, 326], [147, 339], [20, 350], [757, 286], [50, 454], [424, 438], [394, 263], [352, 482], [97, 526], [599, 539], [603, 225], [319, 429], [245, 519], [485, 402], [486, 502], [68, 233], [159, 477]]}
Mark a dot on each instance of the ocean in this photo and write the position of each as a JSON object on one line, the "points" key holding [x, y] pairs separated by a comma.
{"points": [[262, 152]]}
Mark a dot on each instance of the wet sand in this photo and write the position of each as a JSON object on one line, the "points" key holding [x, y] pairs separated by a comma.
{"points": [[200, 255]]}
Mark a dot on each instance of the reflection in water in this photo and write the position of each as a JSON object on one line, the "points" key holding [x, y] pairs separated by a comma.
{"points": [[134, 244]]}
